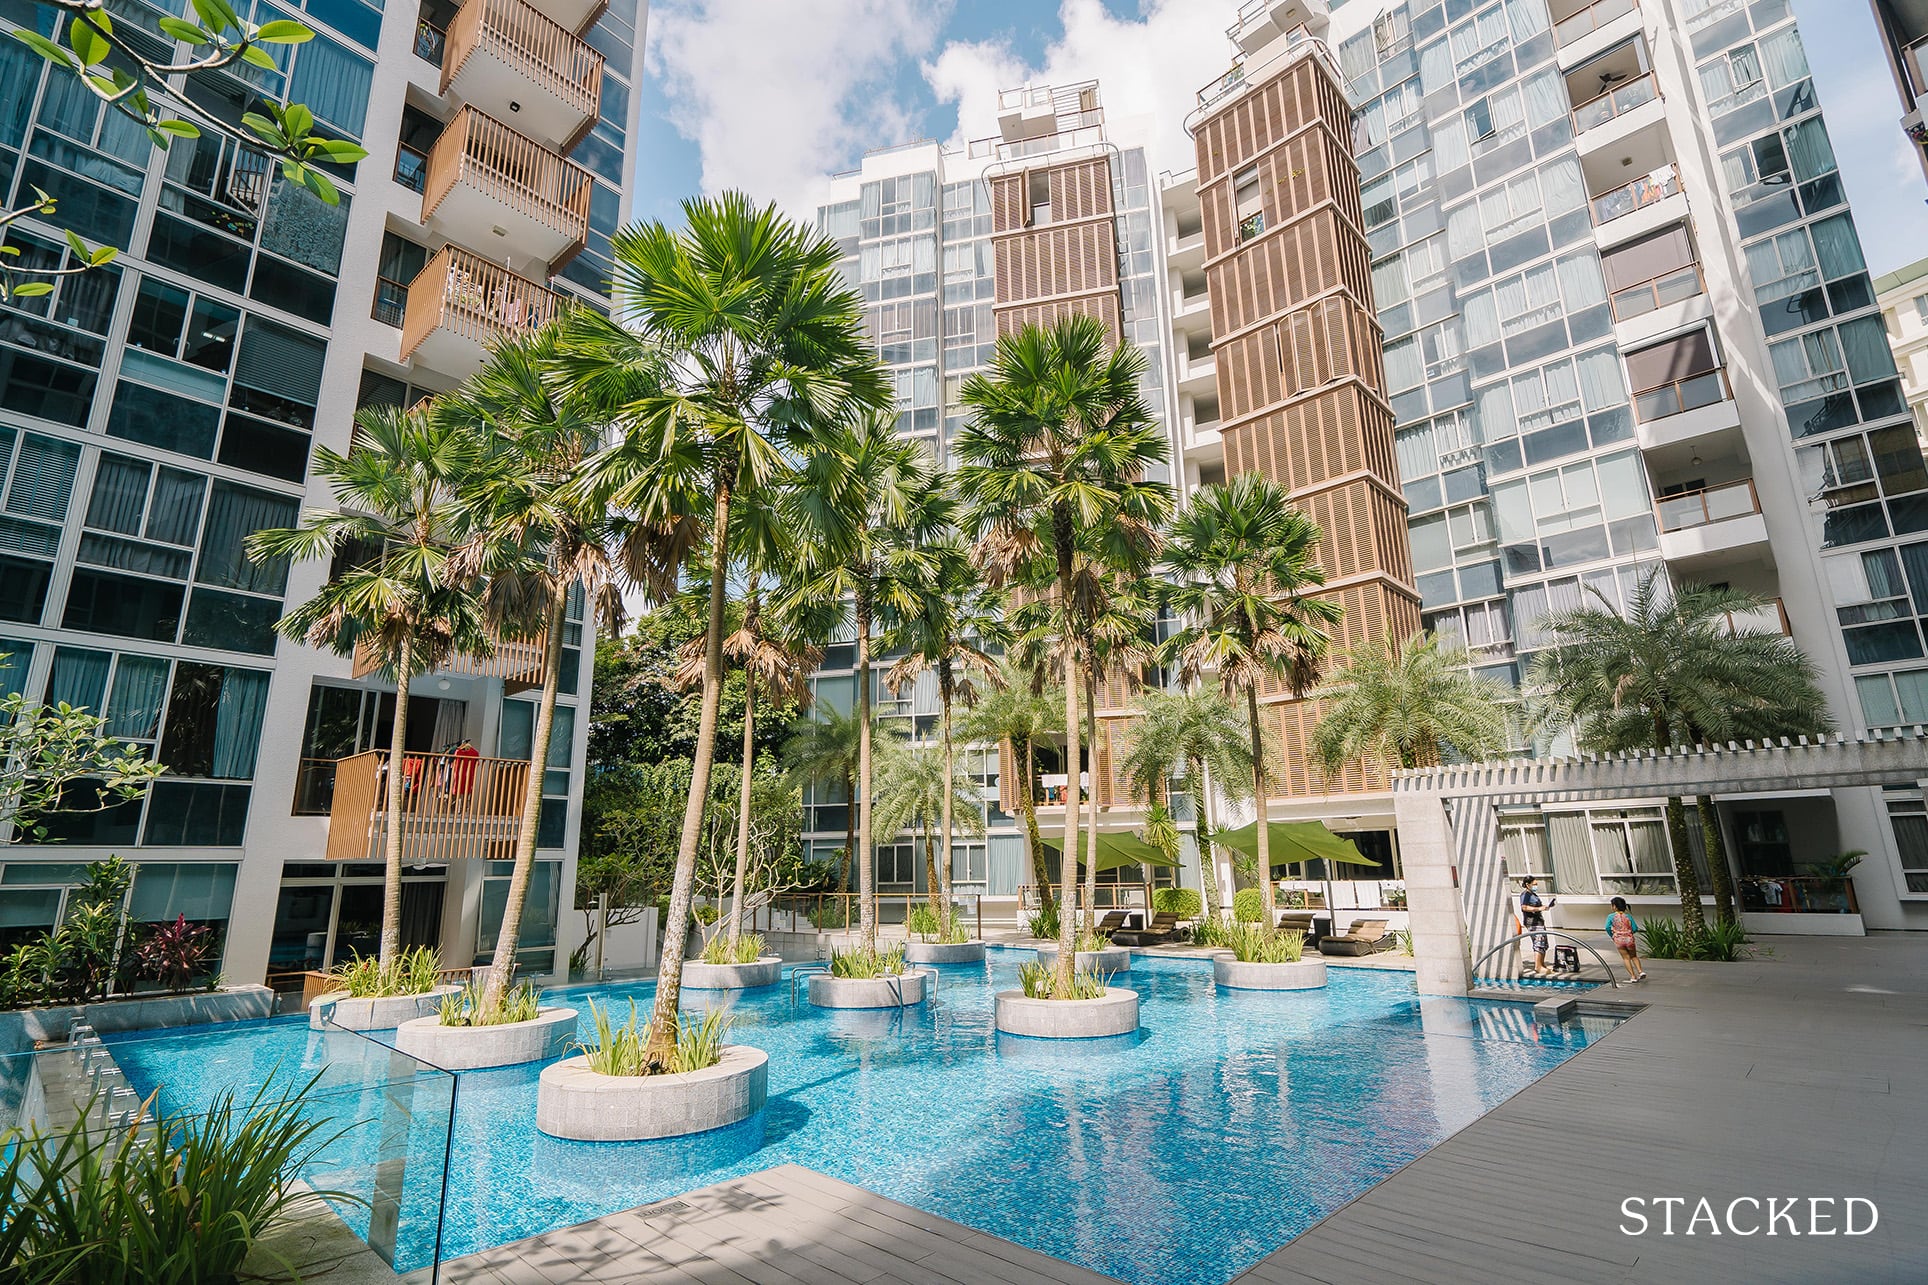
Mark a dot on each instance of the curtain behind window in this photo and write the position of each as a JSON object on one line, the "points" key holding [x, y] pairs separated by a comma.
{"points": [[120, 494], [1573, 871], [235, 513], [140, 685], [79, 678], [237, 726], [333, 83]]}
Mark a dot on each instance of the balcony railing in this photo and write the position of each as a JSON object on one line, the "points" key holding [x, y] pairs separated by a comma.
{"points": [[1799, 895], [1625, 199], [454, 807], [1769, 618], [482, 152], [1714, 504], [1676, 286], [461, 294], [391, 302], [1691, 393], [523, 37], [1623, 97], [1590, 19]]}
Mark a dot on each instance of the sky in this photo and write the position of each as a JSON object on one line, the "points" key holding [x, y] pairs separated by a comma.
{"points": [[772, 95]]}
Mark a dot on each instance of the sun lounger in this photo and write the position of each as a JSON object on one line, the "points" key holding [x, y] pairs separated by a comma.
{"points": [[1367, 937], [1163, 928]]}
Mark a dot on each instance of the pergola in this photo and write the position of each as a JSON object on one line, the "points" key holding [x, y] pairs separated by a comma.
{"points": [[1449, 825]]}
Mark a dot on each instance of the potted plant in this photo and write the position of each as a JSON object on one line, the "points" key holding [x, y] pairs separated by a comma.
{"points": [[1089, 1009], [469, 1032], [738, 965], [869, 977], [1395, 898], [1094, 954], [1262, 961], [935, 943], [372, 996], [613, 1092]]}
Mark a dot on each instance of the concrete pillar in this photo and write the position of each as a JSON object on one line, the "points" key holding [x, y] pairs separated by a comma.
{"points": [[1432, 894]]}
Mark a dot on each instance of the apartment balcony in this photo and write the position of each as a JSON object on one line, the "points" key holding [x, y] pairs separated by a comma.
{"points": [[454, 807], [517, 664], [1198, 375], [1769, 618], [1697, 407], [1260, 22], [1186, 249], [1632, 209], [490, 187], [460, 305], [1202, 441], [575, 14], [1718, 525], [1582, 31], [1192, 307], [516, 63], [1660, 305], [1609, 118]]}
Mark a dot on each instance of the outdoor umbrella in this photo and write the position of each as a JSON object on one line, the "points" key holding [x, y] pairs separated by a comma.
{"points": [[1117, 848], [1294, 841]]}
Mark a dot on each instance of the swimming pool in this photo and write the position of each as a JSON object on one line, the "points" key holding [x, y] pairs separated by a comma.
{"points": [[1230, 1123]]}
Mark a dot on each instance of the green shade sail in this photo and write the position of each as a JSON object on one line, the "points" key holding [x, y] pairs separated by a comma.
{"points": [[1115, 848], [1294, 841]]}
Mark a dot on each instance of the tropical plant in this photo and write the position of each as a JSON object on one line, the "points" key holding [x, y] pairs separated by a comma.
{"points": [[1087, 940], [413, 972], [729, 338], [1251, 944], [1182, 902], [1201, 732], [831, 914], [175, 954], [1672, 670], [867, 961], [1838, 867], [179, 1200], [744, 949], [1044, 922], [1248, 906], [822, 750], [56, 760], [393, 595], [950, 632], [1242, 559], [1040, 982], [699, 1044], [923, 788], [616, 1050], [1016, 717], [478, 1004], [766, 855], [1408, 704], [1405, 938], [1055, 468], [1213, 932], [922, 922]]}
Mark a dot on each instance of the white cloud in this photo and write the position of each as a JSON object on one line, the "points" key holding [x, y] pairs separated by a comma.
{"points": [[778, 95], [1151, 67]]}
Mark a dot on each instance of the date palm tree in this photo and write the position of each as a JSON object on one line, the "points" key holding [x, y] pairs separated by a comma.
{"points": [[922, 787], [1053, 463], [392, 594], [1016, 714], [1670, 670], [865, 509], [1200, 731], [1407, 704], [1241, 559], [729, 338], [950, 632]]}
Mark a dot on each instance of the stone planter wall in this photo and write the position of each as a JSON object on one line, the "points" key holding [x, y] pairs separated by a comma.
{"points": [[1112, 959], [699, 976], [20, 1031], [1113, 1013], [933, 952], [471, 1048], [870, 992], [573, 1101], [1307, 974], [375, 1013]]}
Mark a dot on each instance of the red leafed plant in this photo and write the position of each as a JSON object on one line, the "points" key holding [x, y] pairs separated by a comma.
{"points": [[173, 954]]}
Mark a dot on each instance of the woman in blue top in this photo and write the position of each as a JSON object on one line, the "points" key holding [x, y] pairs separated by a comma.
{"points": [[1621, 927]]}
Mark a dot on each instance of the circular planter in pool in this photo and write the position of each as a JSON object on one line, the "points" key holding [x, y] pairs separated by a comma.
{"points": [[699, 976], [908, 987], [471, 1048], [937, 952], [1112, 959], [1305, 975], [377, 1012], [573, 1101], [1113, 1013]]}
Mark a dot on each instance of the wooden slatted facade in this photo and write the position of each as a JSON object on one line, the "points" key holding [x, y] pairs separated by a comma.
{"points": [[1300, 364], [1065, 262]]}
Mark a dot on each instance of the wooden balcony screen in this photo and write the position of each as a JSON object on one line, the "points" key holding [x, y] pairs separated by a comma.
{"points": [[455, 807], [512, 168], [466, 294], [523, 36]]}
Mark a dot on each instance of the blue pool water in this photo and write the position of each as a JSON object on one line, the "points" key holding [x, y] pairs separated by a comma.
{"points": [[1230, 1123]]}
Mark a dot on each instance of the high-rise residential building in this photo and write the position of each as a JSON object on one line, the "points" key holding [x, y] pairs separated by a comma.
{"points": [[156, 412], [1903, 28], [1903, 295]]}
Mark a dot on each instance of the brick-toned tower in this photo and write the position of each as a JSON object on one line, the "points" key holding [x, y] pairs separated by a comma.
{"points": [[1297, 345]]}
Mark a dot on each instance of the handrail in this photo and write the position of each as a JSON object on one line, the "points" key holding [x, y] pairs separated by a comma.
{"points": [[467, 295], [1653, 293], [1691, 392], [1516, 938], [511, 167], [523, 36], [1609, 103], [1590, 19], [454, 806], [1628, 197], [1688, 509]]}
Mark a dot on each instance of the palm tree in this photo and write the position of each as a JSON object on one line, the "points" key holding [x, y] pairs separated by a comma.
{"points": [[822, 750], [1200, 731], [1670, 670], [1117, 636], [865, 509], [538, 538], [729, 338], [1408, 704], [923, 788], [1241, 559], [949, 633], [1018, 717], [393, 594], [1053, 463]]}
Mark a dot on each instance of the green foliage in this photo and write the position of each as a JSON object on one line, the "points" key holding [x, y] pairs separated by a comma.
{"points": [[1044, 922], [1837, 867], [706, 912], [922, 923], [1085, 940], [1186, 903], [642, 715], [56, 760], [1715, 943], [1211, 931], [832, 913], [1410, 703], [699, 1044], [749, 948], [1252, 944], [1405, 936], [1040, 982], [616, 1050], [412, 972], [865, 961], [95, 951], [1248, 905], [470, 1007], [179, 1201]]}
